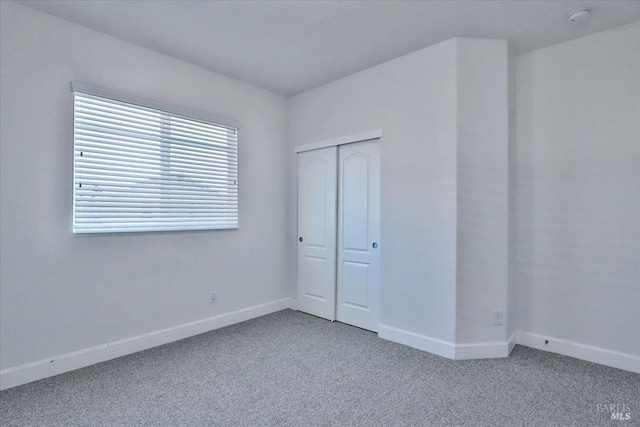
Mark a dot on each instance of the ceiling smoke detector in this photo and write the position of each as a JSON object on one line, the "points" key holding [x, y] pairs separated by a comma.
{"points": [[579, 15]]}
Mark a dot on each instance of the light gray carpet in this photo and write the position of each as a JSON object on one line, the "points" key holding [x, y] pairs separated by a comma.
{"points": [[293, 369]]}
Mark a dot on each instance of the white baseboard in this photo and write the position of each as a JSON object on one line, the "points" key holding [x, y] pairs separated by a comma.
{"points": [[421, 342], [513, 340], [479, 350], [482, 350], [22, 374], [603, 356], [485, 350]]}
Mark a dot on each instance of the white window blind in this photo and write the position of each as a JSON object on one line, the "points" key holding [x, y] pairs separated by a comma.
{"points": [[139, 168]]}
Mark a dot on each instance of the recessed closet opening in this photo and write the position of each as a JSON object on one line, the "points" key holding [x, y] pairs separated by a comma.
{"points": [[339, 248]]}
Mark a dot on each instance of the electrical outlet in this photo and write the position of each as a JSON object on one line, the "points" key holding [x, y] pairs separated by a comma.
{"points": [[498, 317], [214, 297]]}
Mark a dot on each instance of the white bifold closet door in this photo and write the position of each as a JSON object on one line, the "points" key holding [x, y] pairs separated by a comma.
{"points": [[317, 195], [338, 232], [358, 279]]}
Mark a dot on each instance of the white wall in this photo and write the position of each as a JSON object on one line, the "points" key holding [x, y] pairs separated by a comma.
{"points": [[62, 293], [413, 98], [512, 290], [483, 169], [578, 190]]}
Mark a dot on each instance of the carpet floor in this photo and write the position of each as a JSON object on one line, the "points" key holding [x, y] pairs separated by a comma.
{"points": [[292, 369]]}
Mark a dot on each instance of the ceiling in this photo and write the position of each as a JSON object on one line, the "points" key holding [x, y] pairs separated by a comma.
{"points": [[292, 46]]}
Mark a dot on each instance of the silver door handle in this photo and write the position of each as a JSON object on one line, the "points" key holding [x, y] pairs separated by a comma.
{"points": [[375, 245]]}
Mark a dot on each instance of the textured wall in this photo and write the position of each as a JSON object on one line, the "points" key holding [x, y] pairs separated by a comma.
{"points": [[483, 169], [578, 190], [413, 98], [62, 293]]}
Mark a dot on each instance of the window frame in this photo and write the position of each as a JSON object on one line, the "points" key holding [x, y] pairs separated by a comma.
{"points": [[170, 110]]}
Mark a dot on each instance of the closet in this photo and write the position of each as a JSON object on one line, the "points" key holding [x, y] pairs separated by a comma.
{"points": [[338, 257]]}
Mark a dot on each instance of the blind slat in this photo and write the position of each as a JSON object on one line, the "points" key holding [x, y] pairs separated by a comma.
{"points": [[157, 216], [153, 128], [155, 144], [124, 188], [127, 108], [134, 150], [104, 117], [93, 157], [110, 191], [109, 168], [126, 131]]}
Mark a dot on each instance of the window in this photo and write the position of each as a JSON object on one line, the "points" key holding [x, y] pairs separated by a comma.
{"points": [[140, 167]]}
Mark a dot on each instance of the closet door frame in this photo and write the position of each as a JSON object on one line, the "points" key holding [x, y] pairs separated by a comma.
{"points": [[356, 137], [335, 142]]}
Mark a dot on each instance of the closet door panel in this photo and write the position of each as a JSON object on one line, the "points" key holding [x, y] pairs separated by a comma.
{"points": [[317, 192], [358, 234]]}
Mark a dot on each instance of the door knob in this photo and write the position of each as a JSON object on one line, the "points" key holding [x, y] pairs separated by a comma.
{"points": [[375, 245], [300, 239]]}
